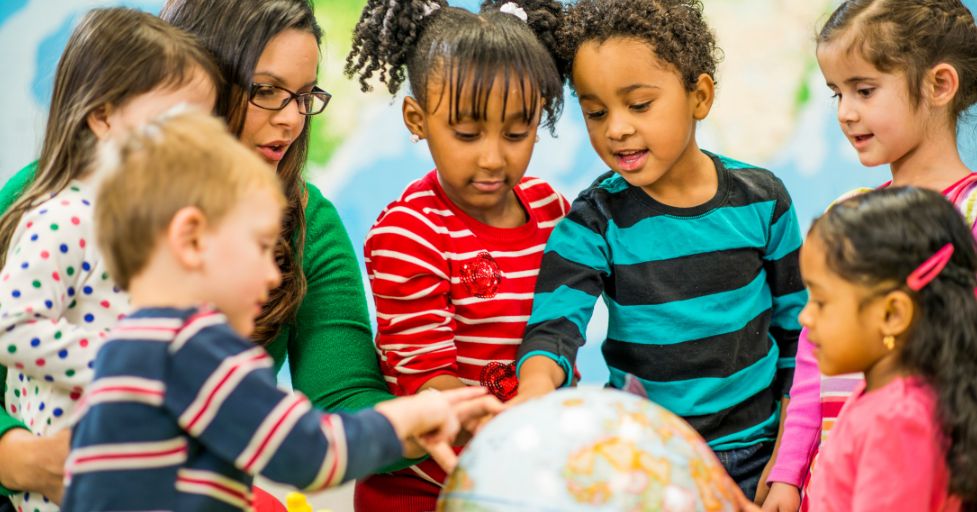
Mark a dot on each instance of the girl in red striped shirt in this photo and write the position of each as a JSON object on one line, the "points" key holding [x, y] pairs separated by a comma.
{"points": [[453, 262]]}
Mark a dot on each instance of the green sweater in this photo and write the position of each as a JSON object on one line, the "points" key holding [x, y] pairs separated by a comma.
{"points": [[330, 344]]}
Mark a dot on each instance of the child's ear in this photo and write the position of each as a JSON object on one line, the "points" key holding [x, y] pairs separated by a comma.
{"points": [[185, 237], [414, 117], [942, 84], [702, 96], [898, 313], [98, 121]]}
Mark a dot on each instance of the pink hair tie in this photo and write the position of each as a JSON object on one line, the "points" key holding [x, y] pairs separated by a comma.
{"points": [[929, 269]]}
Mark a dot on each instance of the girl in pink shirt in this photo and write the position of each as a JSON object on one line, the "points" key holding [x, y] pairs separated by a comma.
{"points": [[891, 276], [903, 71]]}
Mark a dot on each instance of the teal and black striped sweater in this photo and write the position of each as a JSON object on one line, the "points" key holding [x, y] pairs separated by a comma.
{"points": [[702, 301]]}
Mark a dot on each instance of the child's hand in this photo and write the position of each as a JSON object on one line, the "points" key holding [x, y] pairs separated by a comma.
{"points": [[540, 376], [743, 504], [782, 498], [530, 388], [477, 414], [433, 418], [413, 449], [472, 415], [475, 426], [763, 488]]}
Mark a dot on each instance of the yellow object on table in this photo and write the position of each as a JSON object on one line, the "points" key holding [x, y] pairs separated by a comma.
{"points": [[297, 502]]}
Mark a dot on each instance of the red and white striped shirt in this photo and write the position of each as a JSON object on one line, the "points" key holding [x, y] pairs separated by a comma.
{"points": [[453, 294]]}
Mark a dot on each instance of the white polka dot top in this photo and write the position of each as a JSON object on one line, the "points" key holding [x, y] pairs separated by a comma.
{"points": [[57, 302]]}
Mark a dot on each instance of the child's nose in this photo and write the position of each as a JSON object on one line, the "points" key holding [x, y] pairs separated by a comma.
{"points": [[618, 127], [274, 276], [490, 155], [805, 317], [846, 111]]}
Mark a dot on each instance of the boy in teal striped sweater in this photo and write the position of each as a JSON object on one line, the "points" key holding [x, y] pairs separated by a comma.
{"points": [[695, 254]]}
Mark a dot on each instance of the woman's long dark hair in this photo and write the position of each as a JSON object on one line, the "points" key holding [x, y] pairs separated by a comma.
{"points": [[429, 39], [878, 239], [236, 32]]}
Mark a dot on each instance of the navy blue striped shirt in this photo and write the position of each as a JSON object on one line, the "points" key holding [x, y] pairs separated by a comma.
{"points": [[702, 301], [183, 411]]}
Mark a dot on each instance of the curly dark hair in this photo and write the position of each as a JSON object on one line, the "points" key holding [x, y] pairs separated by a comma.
{"points": [[430, 38], [911, 36], [878, 239], [674, 29]]}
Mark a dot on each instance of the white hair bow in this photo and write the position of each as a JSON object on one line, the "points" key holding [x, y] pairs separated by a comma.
{"points": [[514, 9], [429, 8]]}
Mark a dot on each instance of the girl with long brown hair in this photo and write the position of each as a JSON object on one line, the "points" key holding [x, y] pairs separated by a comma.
{"points": [[120, 68]]}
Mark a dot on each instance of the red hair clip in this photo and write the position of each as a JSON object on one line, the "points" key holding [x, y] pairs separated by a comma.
{"points": [[929, 269]]}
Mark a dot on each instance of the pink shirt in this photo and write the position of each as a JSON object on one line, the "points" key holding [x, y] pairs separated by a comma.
{"points": [[815, 400], [885, 454]]}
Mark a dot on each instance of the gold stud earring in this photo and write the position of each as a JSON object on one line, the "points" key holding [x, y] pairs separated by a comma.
{"points": [[889, 341]]}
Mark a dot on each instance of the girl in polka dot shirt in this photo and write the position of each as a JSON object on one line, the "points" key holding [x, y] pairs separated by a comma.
{"points": [[57, 301]]}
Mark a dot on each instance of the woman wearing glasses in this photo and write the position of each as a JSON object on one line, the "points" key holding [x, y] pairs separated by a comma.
{"points": [[268, 53]]}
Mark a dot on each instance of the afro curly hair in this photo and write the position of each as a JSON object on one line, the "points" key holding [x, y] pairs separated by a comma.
{"points": [[674, 29]]}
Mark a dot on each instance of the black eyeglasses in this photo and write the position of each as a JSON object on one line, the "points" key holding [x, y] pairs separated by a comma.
{"points": [[272, 97]]}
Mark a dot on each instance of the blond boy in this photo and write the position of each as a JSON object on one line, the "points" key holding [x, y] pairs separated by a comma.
{"points": [[183, 409]]}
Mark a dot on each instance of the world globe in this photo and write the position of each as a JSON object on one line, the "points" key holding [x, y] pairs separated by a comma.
{"points": [[588, 449]]}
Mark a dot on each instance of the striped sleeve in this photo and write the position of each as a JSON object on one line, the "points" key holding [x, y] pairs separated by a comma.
{"points": [[410, 279], [575, 265], [782, 266], [222, 391]]}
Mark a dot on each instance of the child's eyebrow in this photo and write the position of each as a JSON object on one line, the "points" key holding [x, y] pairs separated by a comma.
{"points": [[856, 79], [623, 91], [515, 115], [633, 87], [268, 231], [466, 117], [511, 115]]}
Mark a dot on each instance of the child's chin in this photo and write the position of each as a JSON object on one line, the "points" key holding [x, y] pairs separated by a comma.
{"points": [[244, 328], [870, 161], [829, 370]]}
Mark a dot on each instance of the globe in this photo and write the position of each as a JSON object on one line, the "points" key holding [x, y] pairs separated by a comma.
{"points": [[588, 449]]}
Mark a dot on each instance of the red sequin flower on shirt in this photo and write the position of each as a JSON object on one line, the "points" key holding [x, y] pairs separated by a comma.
{"points": [[500, 380], [482, 276]]}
